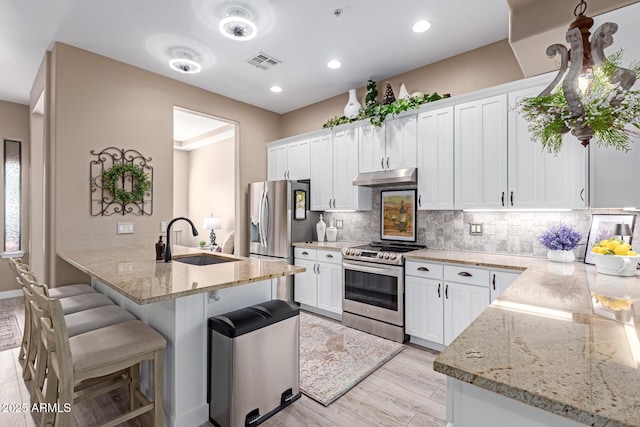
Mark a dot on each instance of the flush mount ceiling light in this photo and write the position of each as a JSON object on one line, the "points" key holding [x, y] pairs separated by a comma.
{"points": [[237, 25], [421, 26], [276, 89], [334, 63], [184, 63]]}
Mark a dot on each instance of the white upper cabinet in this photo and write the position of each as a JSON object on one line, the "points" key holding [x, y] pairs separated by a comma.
{"points": [[481, 153], [401, 142], [321, 171], [371, 148], [334, 166], [612, 176], [435, 159], [537, 178], [288, 161], [392, 146]]}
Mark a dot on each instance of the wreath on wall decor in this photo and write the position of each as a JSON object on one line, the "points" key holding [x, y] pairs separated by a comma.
{"points": [[141, 183]]}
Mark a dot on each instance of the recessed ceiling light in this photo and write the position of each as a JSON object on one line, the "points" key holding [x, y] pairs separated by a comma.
{"points": [[421, 26], [334, 63], [237, 25], [184, 63], [276, 89]]}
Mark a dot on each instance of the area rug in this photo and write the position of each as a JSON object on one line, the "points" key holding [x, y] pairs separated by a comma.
{"points": [[334, 358], [9, 332]]}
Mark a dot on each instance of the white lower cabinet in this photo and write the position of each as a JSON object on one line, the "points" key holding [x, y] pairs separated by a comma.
{"points": [[321, 285], [441, 300], [500, 280]]}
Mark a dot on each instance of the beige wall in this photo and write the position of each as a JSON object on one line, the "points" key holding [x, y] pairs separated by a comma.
{"points": [[478, 69], [14, 125], [99, 102]]}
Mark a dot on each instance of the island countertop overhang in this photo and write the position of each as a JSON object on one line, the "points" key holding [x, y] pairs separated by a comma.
{"points": [[135, 273]]}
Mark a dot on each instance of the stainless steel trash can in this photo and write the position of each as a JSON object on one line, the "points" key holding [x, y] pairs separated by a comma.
{"points": [[254, 366]]}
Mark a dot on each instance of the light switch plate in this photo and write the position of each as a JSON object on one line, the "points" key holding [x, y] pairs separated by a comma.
{"points": [[125, 228], [475, 229], [163, 226], [339, 224]]}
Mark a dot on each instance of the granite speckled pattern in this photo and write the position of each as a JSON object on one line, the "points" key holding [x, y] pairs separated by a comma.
{"points": [[135, 273], [328, 246], [562, 338]]}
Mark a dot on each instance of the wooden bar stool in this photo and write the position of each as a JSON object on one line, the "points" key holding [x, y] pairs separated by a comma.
{"points": [[99, 354]]}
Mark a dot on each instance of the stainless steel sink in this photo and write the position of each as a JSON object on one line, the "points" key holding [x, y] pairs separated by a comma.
{"points": [[203, 259]]}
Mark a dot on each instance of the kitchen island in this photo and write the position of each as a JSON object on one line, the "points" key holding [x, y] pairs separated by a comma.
{"points": [[177, 299], [558, 348]]}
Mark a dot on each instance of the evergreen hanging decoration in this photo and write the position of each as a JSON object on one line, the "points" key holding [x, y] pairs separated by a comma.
{"points": [[372, 93], [389, 97]]}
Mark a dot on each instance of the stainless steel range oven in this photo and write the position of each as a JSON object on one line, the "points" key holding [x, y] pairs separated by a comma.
{"points": [[373, 289]]}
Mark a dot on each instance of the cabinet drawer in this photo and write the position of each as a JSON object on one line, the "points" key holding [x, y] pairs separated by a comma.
{"points": [[333, 257], [468, 275], [423, 269], [305, 253]]}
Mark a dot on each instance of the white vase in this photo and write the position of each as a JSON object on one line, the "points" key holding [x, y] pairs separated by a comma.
{"points": [[332, 232], [560, 256], [321, 228], [352, 109]]}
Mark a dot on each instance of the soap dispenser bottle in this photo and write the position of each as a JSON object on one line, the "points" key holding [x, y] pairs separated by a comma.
{"points": [[160, 247]]}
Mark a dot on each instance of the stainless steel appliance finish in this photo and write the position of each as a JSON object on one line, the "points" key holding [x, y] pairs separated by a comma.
{"points": [[253, 373], [272, 229], [373, 288], [387, 177]]}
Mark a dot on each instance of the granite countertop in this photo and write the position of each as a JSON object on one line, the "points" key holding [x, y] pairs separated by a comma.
{"points": [[135, 273], [562, 338], [329, 246]]}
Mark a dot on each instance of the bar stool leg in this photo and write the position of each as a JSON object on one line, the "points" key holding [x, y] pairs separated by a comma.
{"points": [[134, 384], [158, 386], [49, 417]]}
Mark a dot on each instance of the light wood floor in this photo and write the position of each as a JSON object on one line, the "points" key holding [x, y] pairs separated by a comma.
{"points": [[404, 392]]}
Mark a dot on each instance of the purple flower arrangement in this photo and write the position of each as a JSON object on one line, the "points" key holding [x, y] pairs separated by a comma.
{"points": [[560, 237]]}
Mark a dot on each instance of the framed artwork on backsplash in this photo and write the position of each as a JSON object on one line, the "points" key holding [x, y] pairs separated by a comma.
{"points": [[603, 226], [398, 215]]}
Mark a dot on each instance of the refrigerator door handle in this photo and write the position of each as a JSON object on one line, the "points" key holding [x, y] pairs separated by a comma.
{"points": [[267, 217], [261, 219]]}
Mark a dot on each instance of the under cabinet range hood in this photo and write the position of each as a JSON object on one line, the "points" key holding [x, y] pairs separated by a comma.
{"points": [[388, 177]]}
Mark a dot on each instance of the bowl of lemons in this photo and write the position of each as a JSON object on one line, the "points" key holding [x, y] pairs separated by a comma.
{"points": [[615, 257]]}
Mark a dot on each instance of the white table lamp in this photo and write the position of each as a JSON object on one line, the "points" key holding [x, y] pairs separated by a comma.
{"points": [[212, 223]]}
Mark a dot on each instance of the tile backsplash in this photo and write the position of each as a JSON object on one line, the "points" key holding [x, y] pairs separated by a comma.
{"points": [[514, 233]]}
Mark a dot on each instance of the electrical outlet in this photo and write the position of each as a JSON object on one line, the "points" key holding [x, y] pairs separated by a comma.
{"points": [[163, 226], [475, 229], [125, 228], [339, 224]]}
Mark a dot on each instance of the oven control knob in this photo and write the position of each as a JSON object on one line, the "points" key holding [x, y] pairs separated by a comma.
{"points": [[358, 252], [380, 255], [386, 255], [392, 256], [345, 251]]}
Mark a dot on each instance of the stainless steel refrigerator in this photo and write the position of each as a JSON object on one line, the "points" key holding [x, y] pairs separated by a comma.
{"points": [[276, 222]]}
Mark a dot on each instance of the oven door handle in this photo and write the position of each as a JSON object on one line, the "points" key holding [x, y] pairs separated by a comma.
{"points": [[374, 270]]}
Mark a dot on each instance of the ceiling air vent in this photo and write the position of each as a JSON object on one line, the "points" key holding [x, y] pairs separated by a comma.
{"points": [[263, 61]]}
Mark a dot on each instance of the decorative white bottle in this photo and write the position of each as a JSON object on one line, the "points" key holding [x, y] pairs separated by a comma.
{"points": [[332, 232], [403, 94], [352, 109], [321, 227]]}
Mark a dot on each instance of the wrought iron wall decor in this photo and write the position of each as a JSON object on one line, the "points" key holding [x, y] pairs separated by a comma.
{"points": [[127, 173]]}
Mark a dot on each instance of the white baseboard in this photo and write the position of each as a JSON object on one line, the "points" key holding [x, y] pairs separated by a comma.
{"points": [[11, 294]]}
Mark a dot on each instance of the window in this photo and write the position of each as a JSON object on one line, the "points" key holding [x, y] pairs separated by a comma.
{"points": [[12, 196]]}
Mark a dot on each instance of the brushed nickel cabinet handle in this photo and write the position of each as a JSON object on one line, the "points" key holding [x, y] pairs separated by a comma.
{"points": [[419, 199], [511, 197], [465, 274], [581, 193], [329, 256], [502, 198], [382, 163], [446, 291], [423, 269], [305, 253], [387, 163], [494, 282], [439, 290]]}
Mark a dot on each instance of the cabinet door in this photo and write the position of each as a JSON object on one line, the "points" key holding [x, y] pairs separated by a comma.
{"points": [[480, 143], [500, 280], [371, 150], [462, 304], [401, 143], [345, 168], [277, 163], [537, 178], [435, 159], [305, 284], [611, 182], [321, 171], [298, 160], [330, 287], [424, 308]]}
